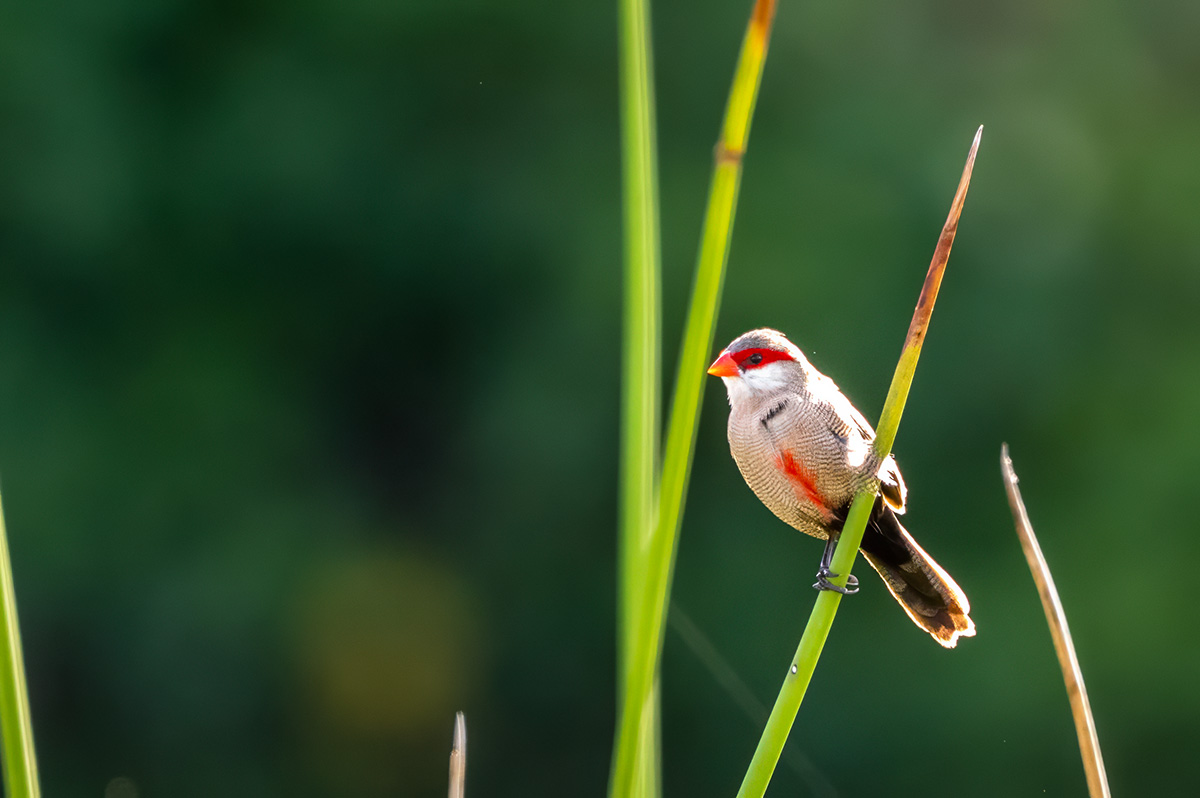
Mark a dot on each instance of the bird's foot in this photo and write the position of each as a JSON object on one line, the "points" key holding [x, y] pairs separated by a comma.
{"points": [[823, 583]]}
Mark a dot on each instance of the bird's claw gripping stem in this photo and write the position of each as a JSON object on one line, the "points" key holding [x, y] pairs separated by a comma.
{"points": [[823, 583], [824, 574]]}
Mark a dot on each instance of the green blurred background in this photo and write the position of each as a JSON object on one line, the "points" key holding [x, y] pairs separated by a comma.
{"points": [[309, 321]]}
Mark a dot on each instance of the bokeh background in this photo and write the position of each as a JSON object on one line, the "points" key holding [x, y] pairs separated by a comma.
{"points": [[309, 319]]}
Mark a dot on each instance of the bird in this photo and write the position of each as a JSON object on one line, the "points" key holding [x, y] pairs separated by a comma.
{"points": [[805, 451]]}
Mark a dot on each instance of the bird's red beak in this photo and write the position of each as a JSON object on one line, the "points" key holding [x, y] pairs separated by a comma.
{"points": [[724, 367]]}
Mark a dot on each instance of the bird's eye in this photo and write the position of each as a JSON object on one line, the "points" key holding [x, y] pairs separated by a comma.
{"points": [[754, 359]]}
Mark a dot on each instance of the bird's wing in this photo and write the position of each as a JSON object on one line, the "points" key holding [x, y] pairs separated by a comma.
{"points": [[843, 419], [848, 423], [891, 485]]}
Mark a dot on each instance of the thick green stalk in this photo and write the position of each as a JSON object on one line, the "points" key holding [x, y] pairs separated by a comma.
{"points": [[804, 663], [645, 613], [800, 672], [641, 370], [706, 297], [20, 764]]}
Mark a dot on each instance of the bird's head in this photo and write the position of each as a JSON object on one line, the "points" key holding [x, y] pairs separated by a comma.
{"points": [[759, 362]]}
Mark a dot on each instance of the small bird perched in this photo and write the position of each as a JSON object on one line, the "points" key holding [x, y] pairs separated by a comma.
{"points": [[806, 451]]}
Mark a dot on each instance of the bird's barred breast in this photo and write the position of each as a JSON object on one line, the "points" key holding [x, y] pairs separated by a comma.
{"points": [[782, 472]]}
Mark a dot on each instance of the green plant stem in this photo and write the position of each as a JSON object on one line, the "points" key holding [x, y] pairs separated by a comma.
{"points": [[20, 763], [804, 663], [645, 612], [795, 684], [640, 379], [706, 297], [640, 399]]}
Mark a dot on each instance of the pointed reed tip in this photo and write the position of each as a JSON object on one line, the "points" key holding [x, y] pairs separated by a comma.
{"points": [[1006, 466], [460, 731], [458, 758]]}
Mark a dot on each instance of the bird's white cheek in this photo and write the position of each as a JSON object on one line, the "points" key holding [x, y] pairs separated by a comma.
{"points": [[737, 389], [767, 379], [755, 382]]}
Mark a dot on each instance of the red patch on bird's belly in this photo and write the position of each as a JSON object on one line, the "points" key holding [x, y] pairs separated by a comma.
{"points": [[802, 480]]}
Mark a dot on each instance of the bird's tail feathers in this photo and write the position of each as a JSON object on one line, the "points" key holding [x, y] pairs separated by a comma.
{"points": [[931, 598]]}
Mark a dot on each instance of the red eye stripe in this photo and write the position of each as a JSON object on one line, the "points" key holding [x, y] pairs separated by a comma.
{"points": [[743, 358]]}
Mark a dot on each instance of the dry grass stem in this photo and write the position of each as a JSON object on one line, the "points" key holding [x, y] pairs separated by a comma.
{"points": [[458, 757], [1056, 618]]}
